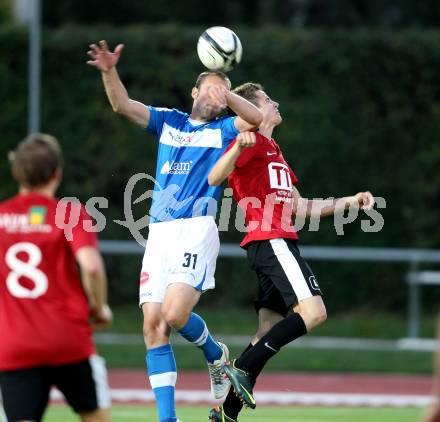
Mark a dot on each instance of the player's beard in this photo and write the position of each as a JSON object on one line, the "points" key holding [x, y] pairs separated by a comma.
{"points": [[206, 112]]}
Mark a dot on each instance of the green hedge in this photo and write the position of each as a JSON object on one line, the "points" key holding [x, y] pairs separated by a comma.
{"points": [[361, 111], [310, 13]]}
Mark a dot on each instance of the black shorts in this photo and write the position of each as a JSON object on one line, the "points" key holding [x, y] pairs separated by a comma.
{"points": [[25, 392], [284, 277]]}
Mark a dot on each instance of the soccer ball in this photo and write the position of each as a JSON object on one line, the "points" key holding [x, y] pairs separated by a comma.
{"points": [[219, 48]]}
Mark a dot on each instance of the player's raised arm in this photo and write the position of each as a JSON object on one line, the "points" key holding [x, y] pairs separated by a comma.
{"points": [[105, 61], [326, 207], [249, 116], [95, 283], [224, 167]]}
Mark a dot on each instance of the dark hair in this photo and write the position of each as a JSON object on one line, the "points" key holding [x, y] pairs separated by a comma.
{"points": [[217, 73], [35, 160], [248, 91]]}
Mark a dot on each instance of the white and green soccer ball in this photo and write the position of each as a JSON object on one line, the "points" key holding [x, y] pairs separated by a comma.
{"points": [[219, 48]]}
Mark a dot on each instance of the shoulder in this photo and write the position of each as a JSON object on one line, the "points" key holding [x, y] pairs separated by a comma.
{"points": [[227, 119], [8, 203], [168, 112], [71, 208], [174, 117], [174, 112], [222, 121]]}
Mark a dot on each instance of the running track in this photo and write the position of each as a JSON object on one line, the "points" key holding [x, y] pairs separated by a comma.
{"points": [[131, 386]]}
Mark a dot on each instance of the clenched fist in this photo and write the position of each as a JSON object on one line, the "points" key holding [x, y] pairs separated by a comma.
{"points": [[246, 139]]}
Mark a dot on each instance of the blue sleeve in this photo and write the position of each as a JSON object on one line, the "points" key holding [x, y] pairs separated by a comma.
{"points": [[229, 130], [158, 116]]}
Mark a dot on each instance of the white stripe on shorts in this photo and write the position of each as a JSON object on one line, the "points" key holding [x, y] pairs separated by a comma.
{"points": [[2, 411], [291, 268], [99, 373], [163, 380]]}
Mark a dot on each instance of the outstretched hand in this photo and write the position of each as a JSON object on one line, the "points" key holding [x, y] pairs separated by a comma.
{"points": [[365, 200], [218, 95], [246, 139], [102, 58]]}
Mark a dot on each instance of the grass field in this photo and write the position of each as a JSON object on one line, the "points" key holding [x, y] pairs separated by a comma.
{"points": [[308, 360], [128, 319], [122, 413], [361, 323]]}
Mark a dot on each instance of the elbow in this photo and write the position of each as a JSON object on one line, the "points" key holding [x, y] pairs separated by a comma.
{"points": [[90, 262], [302, 209], [94, 271], [301, 213], [253, 120], [121, 106], [118, 108], [93, 267]]}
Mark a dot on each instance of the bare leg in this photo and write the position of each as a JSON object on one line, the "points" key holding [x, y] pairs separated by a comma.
{"points": [[312, 311], [180, 300], [266, 320], [156, 329]]}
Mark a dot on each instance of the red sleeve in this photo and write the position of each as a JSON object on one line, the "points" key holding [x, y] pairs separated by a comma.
{"points": [[82, 237], [81, 234], [245, 155]]}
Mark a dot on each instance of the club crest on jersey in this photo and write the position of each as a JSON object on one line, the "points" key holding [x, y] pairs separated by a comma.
{"points": [[279, 176], [37, 215], [176, 167]]}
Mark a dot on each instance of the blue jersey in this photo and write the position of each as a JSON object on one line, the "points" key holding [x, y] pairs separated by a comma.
{"points": [[187, 152]]}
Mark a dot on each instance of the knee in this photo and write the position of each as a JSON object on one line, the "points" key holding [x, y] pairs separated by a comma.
{"points": [[175, 318], [320, 317], [314, 318], [154, 332]]}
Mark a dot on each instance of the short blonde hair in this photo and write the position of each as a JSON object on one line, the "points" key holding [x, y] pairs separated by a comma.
{"points": [[217, 73], [248, 91]]}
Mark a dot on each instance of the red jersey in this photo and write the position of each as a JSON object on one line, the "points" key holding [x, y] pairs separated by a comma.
{"points": [[262, 184], [44, 312]]}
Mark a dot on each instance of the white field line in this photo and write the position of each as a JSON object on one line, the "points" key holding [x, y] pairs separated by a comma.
{"points": [[341, 343], [276, 397]]}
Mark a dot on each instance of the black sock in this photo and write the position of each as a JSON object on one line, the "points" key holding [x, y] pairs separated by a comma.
{"points": [[232, 405], [279, 335]]}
